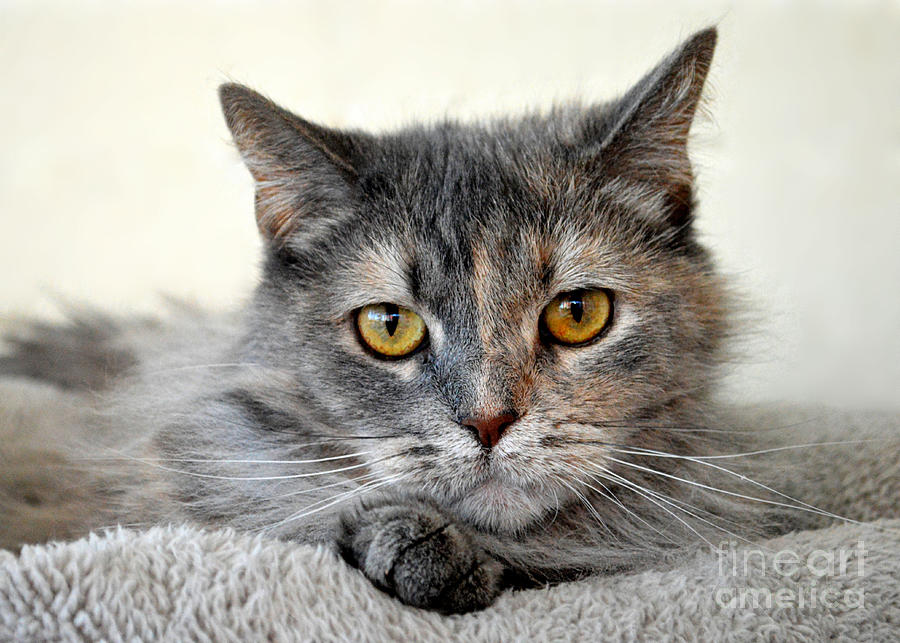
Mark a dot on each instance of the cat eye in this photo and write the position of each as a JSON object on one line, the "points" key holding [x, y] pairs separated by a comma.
{"points": [[390, 330], [577, 316]]}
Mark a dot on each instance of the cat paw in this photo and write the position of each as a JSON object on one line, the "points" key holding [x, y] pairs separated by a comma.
{"points": [[411, 551]]}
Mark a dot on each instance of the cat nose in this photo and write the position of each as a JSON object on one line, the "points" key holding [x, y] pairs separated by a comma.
{"points": [[489, 430]]}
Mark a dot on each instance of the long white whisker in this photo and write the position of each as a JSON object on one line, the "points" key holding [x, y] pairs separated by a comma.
{"points": [[740, 476], [325, 486], [364, 488], [327, 459], [292, 476], [581, 497], [663, 454], [256, 478], [300, 492], [680, 505], [702, 460], [324, 501], [609, 494], [804, 507], [683, 429], [645, 494]]}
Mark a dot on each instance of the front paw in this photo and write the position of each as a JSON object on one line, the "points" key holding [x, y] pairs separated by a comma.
{"points": [[411, 551]]}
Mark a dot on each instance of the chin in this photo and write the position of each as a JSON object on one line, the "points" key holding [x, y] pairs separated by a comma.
{"points": [[500, 507]]}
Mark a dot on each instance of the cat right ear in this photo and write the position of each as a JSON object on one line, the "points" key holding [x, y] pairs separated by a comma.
{"points": [[643, 136], [302, 170]]}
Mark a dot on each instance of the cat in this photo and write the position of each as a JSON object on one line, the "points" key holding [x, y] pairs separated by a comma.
{"points": [[479, 357]]}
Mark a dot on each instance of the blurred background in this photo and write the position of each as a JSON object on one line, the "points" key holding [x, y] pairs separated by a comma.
{"points": [[118, 181]]}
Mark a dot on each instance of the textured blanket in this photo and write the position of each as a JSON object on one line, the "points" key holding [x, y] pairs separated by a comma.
{"points": [[841, 583]]}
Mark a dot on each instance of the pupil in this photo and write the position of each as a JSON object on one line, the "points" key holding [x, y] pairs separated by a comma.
{"points": [[391, 318], [576, 307]]}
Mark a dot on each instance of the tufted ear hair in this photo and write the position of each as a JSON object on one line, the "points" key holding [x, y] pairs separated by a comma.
{"points": [[303, 171], [643, 136]]}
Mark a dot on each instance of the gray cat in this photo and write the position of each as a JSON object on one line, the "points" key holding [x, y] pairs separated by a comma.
{"points": [[479, 356]]}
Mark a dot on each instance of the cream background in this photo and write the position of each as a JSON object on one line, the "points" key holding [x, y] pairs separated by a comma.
{"points": [[117, 180]]}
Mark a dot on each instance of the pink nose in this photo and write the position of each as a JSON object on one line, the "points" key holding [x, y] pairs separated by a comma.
{"points": [[489, 430]]}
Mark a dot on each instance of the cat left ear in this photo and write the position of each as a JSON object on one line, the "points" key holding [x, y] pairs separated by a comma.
{"points": [[646, 132], [302, 170]]}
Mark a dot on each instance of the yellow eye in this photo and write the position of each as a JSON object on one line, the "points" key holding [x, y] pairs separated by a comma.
{"points": [[389, 329], [578, 316]]}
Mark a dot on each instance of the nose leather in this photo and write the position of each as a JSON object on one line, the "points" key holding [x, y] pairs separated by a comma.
{"points": [[489, 429]]}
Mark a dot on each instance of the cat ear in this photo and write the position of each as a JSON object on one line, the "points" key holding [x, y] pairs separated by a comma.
{"points": [[646, 139], [302, 170]]}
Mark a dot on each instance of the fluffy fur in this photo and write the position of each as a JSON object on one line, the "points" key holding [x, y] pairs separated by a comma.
{"points": [[279, 421]]}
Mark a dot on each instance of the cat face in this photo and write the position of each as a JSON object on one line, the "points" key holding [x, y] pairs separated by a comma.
{"points": [[470, 241]]}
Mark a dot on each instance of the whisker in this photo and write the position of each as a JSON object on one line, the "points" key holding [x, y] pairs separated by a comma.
{"points": [[292, 476], [807, 506], [662, 454], [342, 497], [581, 497], [344, 481], [212, 461], [679, 504], [680, 428], [644, 493], [706, 511], [555, 511], [804, 506], [609, 494]]}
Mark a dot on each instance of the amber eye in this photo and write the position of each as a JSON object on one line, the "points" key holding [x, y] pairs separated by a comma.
{"points": [[578, 316], [390, 330]]}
